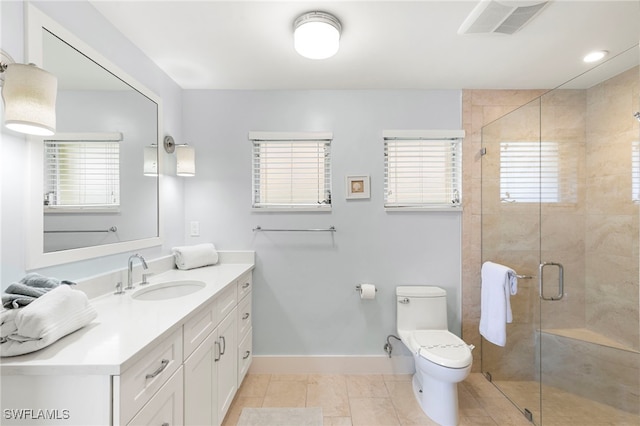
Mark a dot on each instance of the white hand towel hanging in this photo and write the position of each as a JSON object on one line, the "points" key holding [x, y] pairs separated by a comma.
{"points": [[499, 282]]}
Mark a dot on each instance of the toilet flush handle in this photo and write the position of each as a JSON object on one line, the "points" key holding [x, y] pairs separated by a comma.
{"points": [[404, 301]]}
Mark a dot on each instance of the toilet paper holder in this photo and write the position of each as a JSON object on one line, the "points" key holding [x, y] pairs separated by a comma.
{"points": [[359, 288]]}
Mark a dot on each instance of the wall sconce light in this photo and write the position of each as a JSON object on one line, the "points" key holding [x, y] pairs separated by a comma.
{"points": [[29, 95], [316, 35], [151, 160], [185, 156]]}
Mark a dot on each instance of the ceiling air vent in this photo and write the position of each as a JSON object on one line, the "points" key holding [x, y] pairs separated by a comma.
{"points": [[504, 17]]}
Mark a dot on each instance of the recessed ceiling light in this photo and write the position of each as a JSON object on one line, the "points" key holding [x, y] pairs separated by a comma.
{"points": [[316, 35], [595, 56]]}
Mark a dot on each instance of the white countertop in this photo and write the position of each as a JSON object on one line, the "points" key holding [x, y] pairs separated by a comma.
{"points": [[124, 327]]}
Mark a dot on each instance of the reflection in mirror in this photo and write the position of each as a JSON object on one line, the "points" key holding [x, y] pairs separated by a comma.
{"points": [[95, 184], [96, 190]]}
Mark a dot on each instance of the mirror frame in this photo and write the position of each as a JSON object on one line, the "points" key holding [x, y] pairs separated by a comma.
{"points": [[36, 22]]}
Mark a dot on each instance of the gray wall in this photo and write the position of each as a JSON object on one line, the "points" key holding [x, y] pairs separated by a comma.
{"points": [[304, 294]]}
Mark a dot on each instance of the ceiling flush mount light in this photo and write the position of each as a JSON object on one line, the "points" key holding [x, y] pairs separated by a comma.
{"points": [[316, 35], [29, 95], [595, 56]]}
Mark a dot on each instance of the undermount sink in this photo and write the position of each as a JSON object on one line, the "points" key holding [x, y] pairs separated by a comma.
{"points": [[168, 290]]}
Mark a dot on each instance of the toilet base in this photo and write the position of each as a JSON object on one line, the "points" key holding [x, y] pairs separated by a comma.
{"points": [[438, 400]]}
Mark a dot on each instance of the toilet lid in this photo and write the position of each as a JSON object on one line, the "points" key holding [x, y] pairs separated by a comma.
{"points": [[442, 347]]}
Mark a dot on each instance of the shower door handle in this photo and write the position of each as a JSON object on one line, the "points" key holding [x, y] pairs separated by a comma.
{"points": [[560, 281]]}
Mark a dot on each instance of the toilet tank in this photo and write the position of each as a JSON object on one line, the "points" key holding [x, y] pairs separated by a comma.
{"points": [[421, 308]]}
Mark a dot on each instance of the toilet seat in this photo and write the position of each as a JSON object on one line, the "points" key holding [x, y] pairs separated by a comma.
{"points": [[441, 347]]}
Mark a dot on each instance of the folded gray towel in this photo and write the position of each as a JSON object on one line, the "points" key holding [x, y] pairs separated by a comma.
{"points": [[28, 289]]}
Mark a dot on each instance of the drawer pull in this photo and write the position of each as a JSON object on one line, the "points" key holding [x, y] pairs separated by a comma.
{"points": [[216, 358], [224, 345], [165, 424], [245, 316], [160, 369], [246, 285], [246, 354]]}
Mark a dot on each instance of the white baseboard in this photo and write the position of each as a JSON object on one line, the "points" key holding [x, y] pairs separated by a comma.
{"points": [[327, 364]]}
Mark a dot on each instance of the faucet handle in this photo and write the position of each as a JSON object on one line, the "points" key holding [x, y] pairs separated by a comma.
{"points": [[119, 289]]}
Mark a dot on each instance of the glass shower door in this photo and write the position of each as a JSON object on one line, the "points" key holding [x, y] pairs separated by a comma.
{"points": [[589, 335], [511, 236]]}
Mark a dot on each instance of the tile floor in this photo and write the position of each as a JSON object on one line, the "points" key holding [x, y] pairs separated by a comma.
{"points": [[563, 408], [370, 400]]}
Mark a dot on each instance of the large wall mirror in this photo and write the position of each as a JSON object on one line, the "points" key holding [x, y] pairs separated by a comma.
{"points": [[94, 185]]}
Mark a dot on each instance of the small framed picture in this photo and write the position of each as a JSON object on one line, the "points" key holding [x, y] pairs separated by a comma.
{"points": [[358, 187]]}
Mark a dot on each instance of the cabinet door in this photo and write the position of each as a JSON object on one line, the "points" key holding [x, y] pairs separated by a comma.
{"points": [[227, 364], [165, 407], [200, 383]]}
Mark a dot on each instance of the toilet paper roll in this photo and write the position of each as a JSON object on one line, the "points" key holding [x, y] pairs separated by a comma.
{"points": [[367, 291]]}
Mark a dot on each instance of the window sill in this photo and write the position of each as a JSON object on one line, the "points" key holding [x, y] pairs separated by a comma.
{"points": [[291, 209], [423, 209], [75, 210]]}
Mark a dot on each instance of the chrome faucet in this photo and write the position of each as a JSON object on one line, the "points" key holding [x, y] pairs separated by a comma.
{"points": [[130, 269]]}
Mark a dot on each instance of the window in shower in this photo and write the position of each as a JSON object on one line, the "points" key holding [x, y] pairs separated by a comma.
{"points": [[533, 172]]}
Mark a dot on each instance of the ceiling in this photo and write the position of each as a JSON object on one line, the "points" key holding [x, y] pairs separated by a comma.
{"points": [[384, 44]]}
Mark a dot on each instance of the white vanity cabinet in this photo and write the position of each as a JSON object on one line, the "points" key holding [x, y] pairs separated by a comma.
{"points": [[212, 370], [188, 373]]}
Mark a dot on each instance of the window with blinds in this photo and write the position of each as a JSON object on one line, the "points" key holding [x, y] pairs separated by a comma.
{"points": [[533, 172], [82, 172], [291, 170], [423, 169]]}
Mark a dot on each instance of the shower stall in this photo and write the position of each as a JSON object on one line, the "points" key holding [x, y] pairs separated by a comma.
{"points": [[560, 206]]}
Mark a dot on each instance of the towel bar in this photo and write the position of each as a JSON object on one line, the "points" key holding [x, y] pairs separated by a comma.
{"points": [[112, 229], [261, 229], [523, 277]]}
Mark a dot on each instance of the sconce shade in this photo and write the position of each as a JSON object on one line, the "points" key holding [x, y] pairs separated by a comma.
{"points": [[316, 35], [186, 160], [29, 95], [151, 160]]}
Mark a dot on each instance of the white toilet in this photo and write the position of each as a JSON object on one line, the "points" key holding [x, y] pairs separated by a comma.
{"points": [[441, 358]]}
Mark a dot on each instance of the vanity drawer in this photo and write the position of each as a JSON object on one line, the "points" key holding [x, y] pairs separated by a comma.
{"points": [[165, 407], [143, 379], [245, 284], [198, 328], [244, 316], [226, 301], [245, 355]]}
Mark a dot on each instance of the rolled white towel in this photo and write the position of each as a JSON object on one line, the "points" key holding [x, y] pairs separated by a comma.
{"points": [[57, 313], [8, 322], [196, 256]]}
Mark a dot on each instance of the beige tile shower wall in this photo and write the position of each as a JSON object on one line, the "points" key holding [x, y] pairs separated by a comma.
{"points": [[612, 292], [480, 107]]}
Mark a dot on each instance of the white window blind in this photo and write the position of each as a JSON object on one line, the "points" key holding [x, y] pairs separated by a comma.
{"points": [[532, 172], [291, 170], [82, 171], [423, 170]]}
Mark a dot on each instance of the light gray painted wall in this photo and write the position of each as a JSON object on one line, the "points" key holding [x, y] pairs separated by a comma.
{"points": [[304, 283], [81, 18]]}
